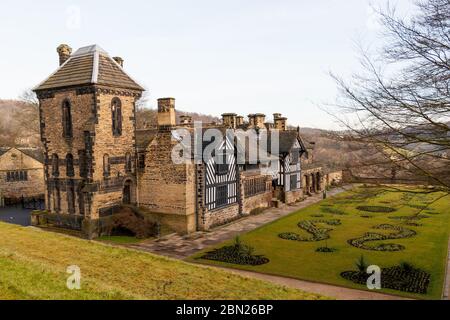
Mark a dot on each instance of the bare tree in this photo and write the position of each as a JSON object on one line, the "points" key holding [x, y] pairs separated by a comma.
{"points": [[400, 104]]}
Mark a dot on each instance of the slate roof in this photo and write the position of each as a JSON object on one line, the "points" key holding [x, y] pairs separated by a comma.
{"points": [[144, 137], [34, 153], [89, 65]]}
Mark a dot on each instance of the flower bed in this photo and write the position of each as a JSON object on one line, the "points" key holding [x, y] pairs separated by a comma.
{"points": [[397, 278], [326, 250], [401, 233], [376, 209], [237, 254], [310, 226], [332, 210]]}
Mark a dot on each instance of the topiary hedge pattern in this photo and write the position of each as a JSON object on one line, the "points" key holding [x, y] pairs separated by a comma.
{"points": [[401, 278], [310, 226], [400, 233], [332, 210], [326, 250], [238, 253], [376, 209]]}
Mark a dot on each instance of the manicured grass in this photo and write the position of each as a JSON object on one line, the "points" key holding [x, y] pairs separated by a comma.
{"points": [[426, 250], [33, 265], [119, 239]]}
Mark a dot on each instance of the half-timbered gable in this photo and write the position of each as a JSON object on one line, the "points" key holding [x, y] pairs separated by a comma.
{"points": [[221, 177]]}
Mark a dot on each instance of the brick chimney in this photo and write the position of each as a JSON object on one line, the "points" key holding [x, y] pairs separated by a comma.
{"points": [[259, 121], [166, 112], [119, 61], [279, 122], [64, 52], [229, 120], [239, 121], [186, 120]]}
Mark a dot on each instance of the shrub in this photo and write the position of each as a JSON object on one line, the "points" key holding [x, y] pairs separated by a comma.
{"points": [[361, 264]]}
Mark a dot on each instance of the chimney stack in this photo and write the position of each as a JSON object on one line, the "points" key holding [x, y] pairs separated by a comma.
{"points": [[239, 121], [64, 52], [229, 120], [186, 120], [119, 61], [259, 120], [279, 122], [166, 112]]}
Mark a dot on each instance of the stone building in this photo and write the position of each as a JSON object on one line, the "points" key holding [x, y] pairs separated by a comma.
{"points": [[21, 174], [96, 161]]}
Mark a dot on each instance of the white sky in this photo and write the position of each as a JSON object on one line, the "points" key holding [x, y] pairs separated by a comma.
{"points": [[244, 56]]}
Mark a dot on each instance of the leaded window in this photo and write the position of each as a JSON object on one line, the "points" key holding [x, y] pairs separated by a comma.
{"points": [[67, 119], [221, 196], [116, 112]]}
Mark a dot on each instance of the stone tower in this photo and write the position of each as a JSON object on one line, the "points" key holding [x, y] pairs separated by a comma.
{"points": [[87, 118]]}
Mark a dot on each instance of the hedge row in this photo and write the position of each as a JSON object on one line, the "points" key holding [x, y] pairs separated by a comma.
{"points": [[310, 226], [400, 233]]}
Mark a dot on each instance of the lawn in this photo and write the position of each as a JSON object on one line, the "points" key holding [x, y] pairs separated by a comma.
{"points": [[412, 226], [33, 265]]}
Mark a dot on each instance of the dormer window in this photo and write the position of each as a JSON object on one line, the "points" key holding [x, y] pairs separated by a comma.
{"points": [[116, 112], [67, 120]]}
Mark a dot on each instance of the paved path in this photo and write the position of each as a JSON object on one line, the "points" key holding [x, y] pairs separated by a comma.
{"points": [[180, 247]]}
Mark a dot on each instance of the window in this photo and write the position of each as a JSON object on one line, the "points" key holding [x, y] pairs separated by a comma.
{"points": [[222, 168], [55, 165], [221, 196], [128, 162], [141, 160], [255, 186], [69, 165], [82, 163], [67, 119], [106, 166], [295, 156], [16, 176], [116, 111], [294, 182]]}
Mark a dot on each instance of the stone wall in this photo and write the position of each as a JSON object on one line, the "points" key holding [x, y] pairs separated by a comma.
{"points": [[166, 187], [333, 178], [219, 217], [14, 160], [262, 199], [293, 196]]}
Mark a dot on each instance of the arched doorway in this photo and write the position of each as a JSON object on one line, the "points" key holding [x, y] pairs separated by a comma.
{"points": [[127, 192], [318, 181], [313, 184]]}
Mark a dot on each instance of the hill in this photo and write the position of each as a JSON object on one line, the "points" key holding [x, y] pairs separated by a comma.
{"points": [[28, 271]]}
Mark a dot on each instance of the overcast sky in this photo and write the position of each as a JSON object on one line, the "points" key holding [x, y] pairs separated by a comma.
{"points": [[244, 56]]}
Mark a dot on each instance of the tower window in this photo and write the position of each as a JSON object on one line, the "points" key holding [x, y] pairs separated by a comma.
{"points": [[116, 112], [106, 166], [69, 165], [67, 119], [55, 165]]}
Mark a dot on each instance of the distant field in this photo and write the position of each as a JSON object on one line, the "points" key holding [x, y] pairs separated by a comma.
{"points": [[33, 265], [415, 224]]}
